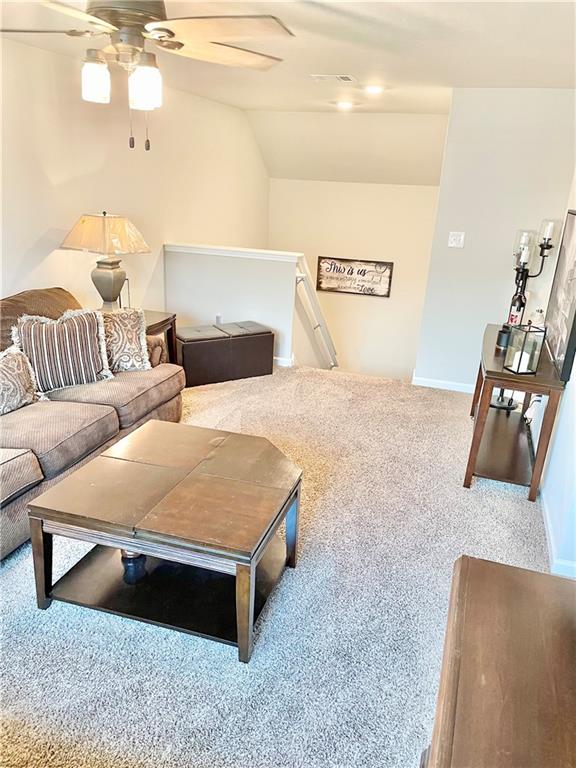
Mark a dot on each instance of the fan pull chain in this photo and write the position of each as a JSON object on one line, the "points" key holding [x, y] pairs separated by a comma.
{"points": [[147, 142], [131, 139]]}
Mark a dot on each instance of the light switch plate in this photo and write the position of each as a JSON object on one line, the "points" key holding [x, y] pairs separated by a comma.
{"points": [[456, 239]]}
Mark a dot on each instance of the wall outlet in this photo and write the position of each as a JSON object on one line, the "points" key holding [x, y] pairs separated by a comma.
{"points": [[456, 239]]}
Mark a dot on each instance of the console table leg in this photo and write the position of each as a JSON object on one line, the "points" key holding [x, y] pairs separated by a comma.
{"points": [[544, 442], [477, 390], [245, 578], [292, 532], [42, 555], [479, 423]]}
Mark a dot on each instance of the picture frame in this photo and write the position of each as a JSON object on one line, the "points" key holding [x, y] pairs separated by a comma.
{"points": [[354, 276], [561, 311]]}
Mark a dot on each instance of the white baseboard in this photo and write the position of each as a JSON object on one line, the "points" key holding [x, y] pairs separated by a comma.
{"points": [[284, 362], [454, 386], [558, 565]]}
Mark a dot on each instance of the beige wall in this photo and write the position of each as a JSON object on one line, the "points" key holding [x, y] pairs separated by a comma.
{"points": [[203, 180], [361, 221], [508, 164]]}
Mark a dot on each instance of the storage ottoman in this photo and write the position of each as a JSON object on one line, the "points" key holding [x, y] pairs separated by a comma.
{"points": [[213, 353]]}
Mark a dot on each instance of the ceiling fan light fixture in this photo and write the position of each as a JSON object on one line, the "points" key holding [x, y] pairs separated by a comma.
{"points": [[145, 84], [95, 78]]}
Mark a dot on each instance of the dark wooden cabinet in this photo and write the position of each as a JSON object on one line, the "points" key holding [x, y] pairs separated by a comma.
{"points": [[507, 694]]}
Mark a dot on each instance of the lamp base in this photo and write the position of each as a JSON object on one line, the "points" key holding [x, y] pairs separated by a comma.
{"points": [[109, 277]]}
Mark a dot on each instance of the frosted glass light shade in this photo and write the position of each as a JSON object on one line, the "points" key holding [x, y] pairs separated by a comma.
{"points": [[95, 80], [105, 233], [145, 84]]}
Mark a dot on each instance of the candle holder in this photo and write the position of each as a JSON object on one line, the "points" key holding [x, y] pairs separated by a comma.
{"points": [[524, 349]]}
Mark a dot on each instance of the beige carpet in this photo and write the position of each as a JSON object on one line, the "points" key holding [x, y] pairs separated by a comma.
{"points": [[347, 655]]}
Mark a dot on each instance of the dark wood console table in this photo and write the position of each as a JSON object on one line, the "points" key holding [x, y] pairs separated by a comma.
{"points": [[501, 446], [162, 322], [507, 694]]}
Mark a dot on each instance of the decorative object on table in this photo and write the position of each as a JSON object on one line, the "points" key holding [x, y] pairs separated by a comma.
{"points": [[64, 352], [113, 236], [17, 382], [561, 313], [524, 349], [523, 258], [133, 24], [125, 333], [368, 278], [214, 353]]}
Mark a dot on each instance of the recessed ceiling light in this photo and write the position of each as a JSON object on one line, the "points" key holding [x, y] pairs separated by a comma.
{"points": [[373, 90], [345, 105]]}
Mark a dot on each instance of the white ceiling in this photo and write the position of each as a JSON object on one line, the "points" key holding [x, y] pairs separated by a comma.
{"points": [[370, 148], [419, 49]]}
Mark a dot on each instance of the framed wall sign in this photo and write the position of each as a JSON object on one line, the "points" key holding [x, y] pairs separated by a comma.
{"points": [[561, 312], [369, 278]]}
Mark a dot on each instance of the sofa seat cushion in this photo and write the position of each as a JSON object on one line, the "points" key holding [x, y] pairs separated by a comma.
{"points": [[19, 471], [133, 394], [60, 434]]}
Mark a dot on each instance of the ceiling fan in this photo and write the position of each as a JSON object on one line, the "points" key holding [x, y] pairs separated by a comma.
{"points": [[131, 23]]}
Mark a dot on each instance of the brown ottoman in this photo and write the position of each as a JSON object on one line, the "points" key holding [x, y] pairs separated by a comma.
{"points": [[213, 353]]}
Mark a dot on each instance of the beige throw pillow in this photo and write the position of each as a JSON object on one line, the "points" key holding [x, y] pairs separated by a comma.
{"points": [[17, 384], [125, 332]]}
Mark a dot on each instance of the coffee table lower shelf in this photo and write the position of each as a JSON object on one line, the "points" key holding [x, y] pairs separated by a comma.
{"points": [[168, 594]]}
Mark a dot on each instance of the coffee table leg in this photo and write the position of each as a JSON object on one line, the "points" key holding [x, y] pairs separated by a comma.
{"points": [[292, 532], [42, 555], [245, 578]]}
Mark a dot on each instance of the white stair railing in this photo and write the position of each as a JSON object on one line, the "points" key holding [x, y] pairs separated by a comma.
{"points": [[307, 295]]}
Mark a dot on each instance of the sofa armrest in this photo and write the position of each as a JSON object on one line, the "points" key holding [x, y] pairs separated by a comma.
{"points": [[156, 350]]}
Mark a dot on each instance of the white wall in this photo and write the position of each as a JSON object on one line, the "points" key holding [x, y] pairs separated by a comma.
{"points": [[361, 221], [238, 284], [558, 494], [507, 165], [203, 180]]}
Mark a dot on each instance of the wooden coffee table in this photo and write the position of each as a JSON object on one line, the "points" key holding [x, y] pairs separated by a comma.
{"points": [[186, 526]]}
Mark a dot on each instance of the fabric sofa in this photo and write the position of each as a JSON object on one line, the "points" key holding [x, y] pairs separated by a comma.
{"points": [[42, 442]]}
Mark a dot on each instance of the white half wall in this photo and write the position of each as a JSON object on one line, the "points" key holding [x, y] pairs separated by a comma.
{"points": [[372, 335], [204, 179], [507, 165], [203, 281]]}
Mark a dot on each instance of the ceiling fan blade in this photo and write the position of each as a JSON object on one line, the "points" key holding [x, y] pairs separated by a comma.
{"points": [[220, 53], [220, 28], [69, 32], [76, 13]]}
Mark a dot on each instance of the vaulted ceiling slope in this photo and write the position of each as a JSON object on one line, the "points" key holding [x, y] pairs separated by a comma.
{"points": [[420, 49], [370, 148]]}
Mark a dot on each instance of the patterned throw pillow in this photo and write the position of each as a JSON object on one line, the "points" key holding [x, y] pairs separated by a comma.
{"points": [[64, 352], [125, 332], [17, 385]]}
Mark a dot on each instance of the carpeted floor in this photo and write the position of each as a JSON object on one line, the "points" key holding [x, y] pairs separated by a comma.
{"points": [[347, 654]]}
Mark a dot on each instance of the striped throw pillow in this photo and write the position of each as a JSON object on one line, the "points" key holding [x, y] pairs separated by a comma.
{"points": [[64, 352]]}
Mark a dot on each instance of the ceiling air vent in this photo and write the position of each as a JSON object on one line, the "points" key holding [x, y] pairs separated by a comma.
{"points": [[343, 79]]}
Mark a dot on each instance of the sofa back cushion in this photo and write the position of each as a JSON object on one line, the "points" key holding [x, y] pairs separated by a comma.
{"points": [[48, 302]]}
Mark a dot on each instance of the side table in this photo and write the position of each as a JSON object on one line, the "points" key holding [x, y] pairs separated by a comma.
{"points": [[162, 322], [501, 446]]}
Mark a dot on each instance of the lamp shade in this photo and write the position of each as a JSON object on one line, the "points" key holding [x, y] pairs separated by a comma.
{"points": [[105, 233]]}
